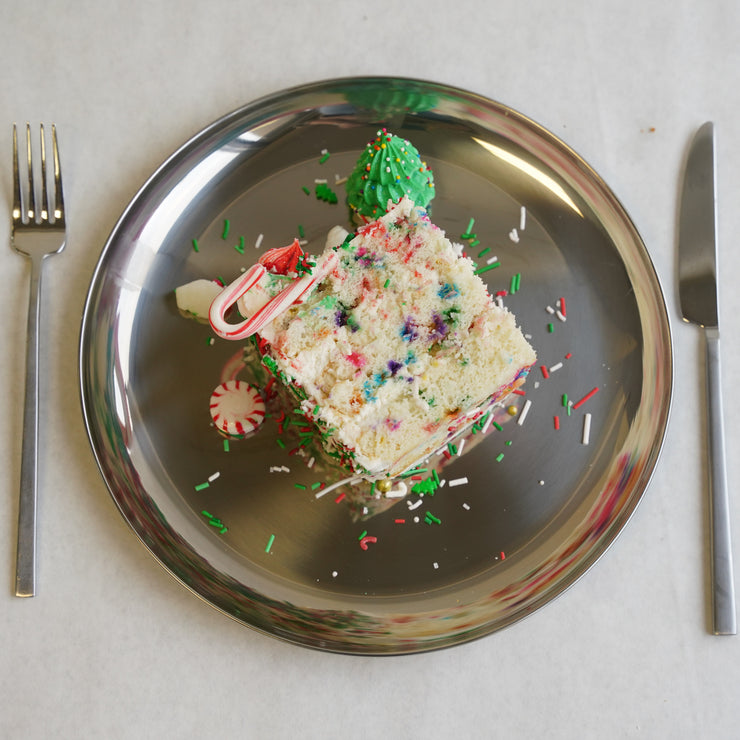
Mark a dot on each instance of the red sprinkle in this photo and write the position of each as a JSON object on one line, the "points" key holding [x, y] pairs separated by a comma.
{"points": [[545, 371], [569, 355], [503, 556], [400, 521], [556, 422], [519, 392], [339, 498], [364, 541], [562, 306], [591, 393]]}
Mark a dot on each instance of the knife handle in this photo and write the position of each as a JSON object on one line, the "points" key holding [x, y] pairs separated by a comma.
{"points": [[723, 587]]}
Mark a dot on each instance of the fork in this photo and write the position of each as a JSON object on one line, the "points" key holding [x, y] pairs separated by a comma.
{"points": [[37, 232]]}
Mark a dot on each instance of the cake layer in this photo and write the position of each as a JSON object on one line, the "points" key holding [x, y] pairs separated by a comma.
{"points": [[399, 347]]}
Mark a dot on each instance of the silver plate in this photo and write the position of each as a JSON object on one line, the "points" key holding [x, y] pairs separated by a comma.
{"points": [[527, 524]]}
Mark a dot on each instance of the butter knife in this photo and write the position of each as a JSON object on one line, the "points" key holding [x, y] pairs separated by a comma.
{"points": [[697, 284]]}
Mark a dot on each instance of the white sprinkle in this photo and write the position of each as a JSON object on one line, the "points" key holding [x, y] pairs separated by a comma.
{"points": [[560, 316], [522, 218], [436, 565], [346, 481], [514, 236], [527, 336], [320, 181], [279, 469], [550, 309], [442, 482], [365, 510], [524, 413], [458, 482], [556, 366], [334, 574], [542, 483], [466, 507], [415, 505], [491, 260], [258, 243], [310, 463], [460, 447], [586, 429], [213, 477], [399, 491], [488, 423], [416, 520], [324, 151], [303, 242]]}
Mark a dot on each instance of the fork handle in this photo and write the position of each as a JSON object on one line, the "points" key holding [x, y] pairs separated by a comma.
{"points": [[25, 572], [723, 587]]}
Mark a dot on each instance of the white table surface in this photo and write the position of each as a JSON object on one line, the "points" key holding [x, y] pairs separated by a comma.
{"points": [[112, 646]]}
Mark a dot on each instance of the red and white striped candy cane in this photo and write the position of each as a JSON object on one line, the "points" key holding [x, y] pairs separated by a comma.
{"points": [[281, 302]]}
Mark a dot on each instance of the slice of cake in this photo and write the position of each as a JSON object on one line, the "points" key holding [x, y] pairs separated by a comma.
{"points": [[397, 349]]}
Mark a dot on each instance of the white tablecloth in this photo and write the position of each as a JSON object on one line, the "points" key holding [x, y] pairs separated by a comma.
{"points": [[112, 646]]}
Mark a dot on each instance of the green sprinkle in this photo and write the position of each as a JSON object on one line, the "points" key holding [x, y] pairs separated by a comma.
{"points": [[280, 442], [515, 281], [316, 410], [498, 426], [269, 543], [475, 242], [452, 449], [301, 232], [324, 157], [486, 250], [565, 400], [316, 485], [500, 457], [415, 471], [508, 443], [325, 193], [435, 476], [195, 245], [201, 486], [362, 534], [210, 341], [226, 445], [387, 282], [300, 485], [429, 518], [550, 328], [471, 223], [486, 268], [306, 190], [372, 488], [227, 226]]}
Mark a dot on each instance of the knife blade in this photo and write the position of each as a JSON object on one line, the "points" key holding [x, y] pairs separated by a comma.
{"points": [[697, 285]]}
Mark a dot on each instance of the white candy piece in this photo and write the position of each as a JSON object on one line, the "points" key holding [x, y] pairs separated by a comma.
{"points": [[194, 299], [237, 408]]}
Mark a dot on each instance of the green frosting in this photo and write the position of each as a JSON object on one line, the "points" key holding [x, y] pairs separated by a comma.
{"points": [[389, 168]]}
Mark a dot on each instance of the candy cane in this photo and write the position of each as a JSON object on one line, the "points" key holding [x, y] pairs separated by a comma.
{"points": [[281, 302]]}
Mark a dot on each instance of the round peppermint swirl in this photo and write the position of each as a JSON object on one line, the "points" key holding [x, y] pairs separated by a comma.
{"points": [[389, 168]]}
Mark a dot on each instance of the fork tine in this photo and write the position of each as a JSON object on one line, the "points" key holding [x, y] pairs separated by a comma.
{"points": [[17, 200], [44, 194], [31, 209], [58, 191]]}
